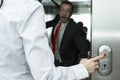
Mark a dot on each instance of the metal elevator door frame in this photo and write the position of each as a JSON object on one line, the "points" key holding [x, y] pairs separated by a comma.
{"points": [[106, 31]]}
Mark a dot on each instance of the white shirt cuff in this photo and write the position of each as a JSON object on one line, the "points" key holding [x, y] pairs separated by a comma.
{"points": [[80, 71]]}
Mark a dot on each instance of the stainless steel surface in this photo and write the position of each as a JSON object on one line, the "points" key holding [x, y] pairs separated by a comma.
{"points": [[106, 63], [106, 31]]}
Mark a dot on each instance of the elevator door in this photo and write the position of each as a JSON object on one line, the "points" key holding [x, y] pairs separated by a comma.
{"points": [[106, 38]]}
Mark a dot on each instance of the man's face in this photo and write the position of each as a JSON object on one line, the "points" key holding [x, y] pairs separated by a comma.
{"points": [[65, 12]]}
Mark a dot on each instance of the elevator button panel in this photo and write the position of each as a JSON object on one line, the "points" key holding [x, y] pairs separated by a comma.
{"points": [[105, 63]]}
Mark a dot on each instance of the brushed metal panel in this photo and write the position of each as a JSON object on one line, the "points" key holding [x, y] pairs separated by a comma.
{"points": [[106, 31]]}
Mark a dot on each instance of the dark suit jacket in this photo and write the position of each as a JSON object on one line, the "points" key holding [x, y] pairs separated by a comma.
{"points": [[73, 45]]}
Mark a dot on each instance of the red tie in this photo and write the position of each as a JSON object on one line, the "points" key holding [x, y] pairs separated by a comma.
{"points": [[55, 37]]}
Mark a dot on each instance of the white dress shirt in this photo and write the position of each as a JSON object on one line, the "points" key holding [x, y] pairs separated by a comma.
{"points": [[24, 50]]}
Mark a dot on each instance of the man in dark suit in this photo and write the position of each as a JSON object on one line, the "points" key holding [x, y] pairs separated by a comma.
{"points": [[71, 43]]}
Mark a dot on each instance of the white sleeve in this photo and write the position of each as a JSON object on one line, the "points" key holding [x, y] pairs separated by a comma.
{"points": [[38, 53], [76, 72]]}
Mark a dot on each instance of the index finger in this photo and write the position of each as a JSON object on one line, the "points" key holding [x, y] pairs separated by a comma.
{"points": [[98, 57]]}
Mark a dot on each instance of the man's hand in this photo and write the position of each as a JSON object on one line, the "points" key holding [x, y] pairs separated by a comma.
{"points": [[92, 64]]}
